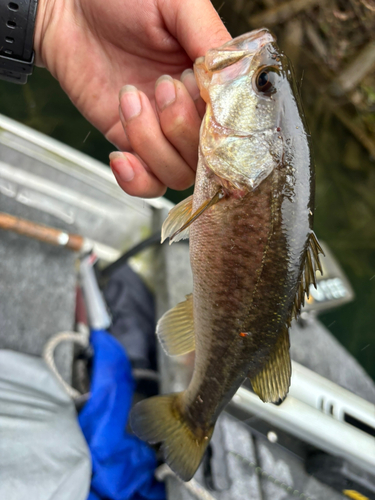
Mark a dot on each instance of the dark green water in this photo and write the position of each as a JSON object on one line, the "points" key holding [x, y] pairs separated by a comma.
{"points": [[345, 195], [345, 219]]}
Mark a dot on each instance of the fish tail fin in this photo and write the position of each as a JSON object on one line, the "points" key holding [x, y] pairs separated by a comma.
{"points": [[160, 419]]}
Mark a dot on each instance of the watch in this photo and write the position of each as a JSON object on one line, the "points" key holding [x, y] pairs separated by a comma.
{"points": [[17, 23]]}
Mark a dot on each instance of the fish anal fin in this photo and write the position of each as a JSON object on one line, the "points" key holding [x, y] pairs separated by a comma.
{"points": [[176, 225], [160, 420], [175, 329], [272, 383], [177, 218], [310, 266]]}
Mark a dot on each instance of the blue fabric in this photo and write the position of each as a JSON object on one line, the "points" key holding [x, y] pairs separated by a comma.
{"points": [[122, 465]]}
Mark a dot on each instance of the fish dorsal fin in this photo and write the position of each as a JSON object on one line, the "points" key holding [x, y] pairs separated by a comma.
{"points": [[272, 383], [176, 225], [311, 265], [175, 329]]}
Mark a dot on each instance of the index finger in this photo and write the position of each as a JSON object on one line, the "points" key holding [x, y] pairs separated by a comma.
{"points": [[195, 24]]}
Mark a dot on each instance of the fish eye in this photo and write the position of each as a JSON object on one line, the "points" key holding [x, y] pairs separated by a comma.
{"points": [[265, 81]]}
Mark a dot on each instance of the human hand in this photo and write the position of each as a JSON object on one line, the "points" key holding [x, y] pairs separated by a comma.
{"points": [[94, 47]]}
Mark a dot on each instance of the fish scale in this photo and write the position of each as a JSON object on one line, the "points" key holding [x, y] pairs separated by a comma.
{"points": [[252, 249]]}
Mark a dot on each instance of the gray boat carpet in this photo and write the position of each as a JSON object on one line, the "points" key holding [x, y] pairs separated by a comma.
{"points": [[37, 288]]}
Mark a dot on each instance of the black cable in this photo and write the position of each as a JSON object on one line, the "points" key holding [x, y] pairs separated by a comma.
{"points": [[104, 274], [107, 271]]}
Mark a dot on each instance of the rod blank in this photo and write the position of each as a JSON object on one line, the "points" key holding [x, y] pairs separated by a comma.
{"points": [[40, 232]]}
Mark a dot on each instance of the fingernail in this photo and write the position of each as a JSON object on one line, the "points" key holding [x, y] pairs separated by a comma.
{"points": [[165, 92], [121, 167], [188, 79], [130, 102]]}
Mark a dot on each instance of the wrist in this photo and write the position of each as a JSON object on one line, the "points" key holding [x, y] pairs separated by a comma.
{"points": [[42, 22], [54, 35]]}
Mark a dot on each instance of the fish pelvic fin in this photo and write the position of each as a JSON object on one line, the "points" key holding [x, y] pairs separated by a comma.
{"points": [[272, 383], [179, 219], [160, 420], [311, 265], [175, 329]]}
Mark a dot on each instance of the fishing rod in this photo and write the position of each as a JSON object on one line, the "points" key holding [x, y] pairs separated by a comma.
{"points": [[57, 237]]}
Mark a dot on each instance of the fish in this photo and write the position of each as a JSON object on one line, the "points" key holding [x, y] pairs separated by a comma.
{"points": [[253, 251]]}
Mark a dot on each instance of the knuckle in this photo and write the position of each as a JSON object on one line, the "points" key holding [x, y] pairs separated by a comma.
{"points": [[139, 139], [175, 125]]}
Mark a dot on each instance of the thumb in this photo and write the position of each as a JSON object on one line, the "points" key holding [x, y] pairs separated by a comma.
{"points": [[195, 24]]}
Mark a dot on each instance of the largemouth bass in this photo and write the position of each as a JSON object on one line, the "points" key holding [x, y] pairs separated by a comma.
{"points": [[252, 249]]}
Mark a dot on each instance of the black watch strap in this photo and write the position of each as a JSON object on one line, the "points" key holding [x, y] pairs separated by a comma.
{"points": [[17, 23]]}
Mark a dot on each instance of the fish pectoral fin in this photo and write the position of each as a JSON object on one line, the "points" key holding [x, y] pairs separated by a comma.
{"points": [[176, 225], [177, 218], [160, 420], [272, 383], [175, 329], [311, 265]]}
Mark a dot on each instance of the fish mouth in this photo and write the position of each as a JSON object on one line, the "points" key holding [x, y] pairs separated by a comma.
{"points": [[234, 50]]}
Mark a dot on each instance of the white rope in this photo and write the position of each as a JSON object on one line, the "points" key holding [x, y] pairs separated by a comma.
{"points": [[193, 486], [49, 349], [82, 338]]}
